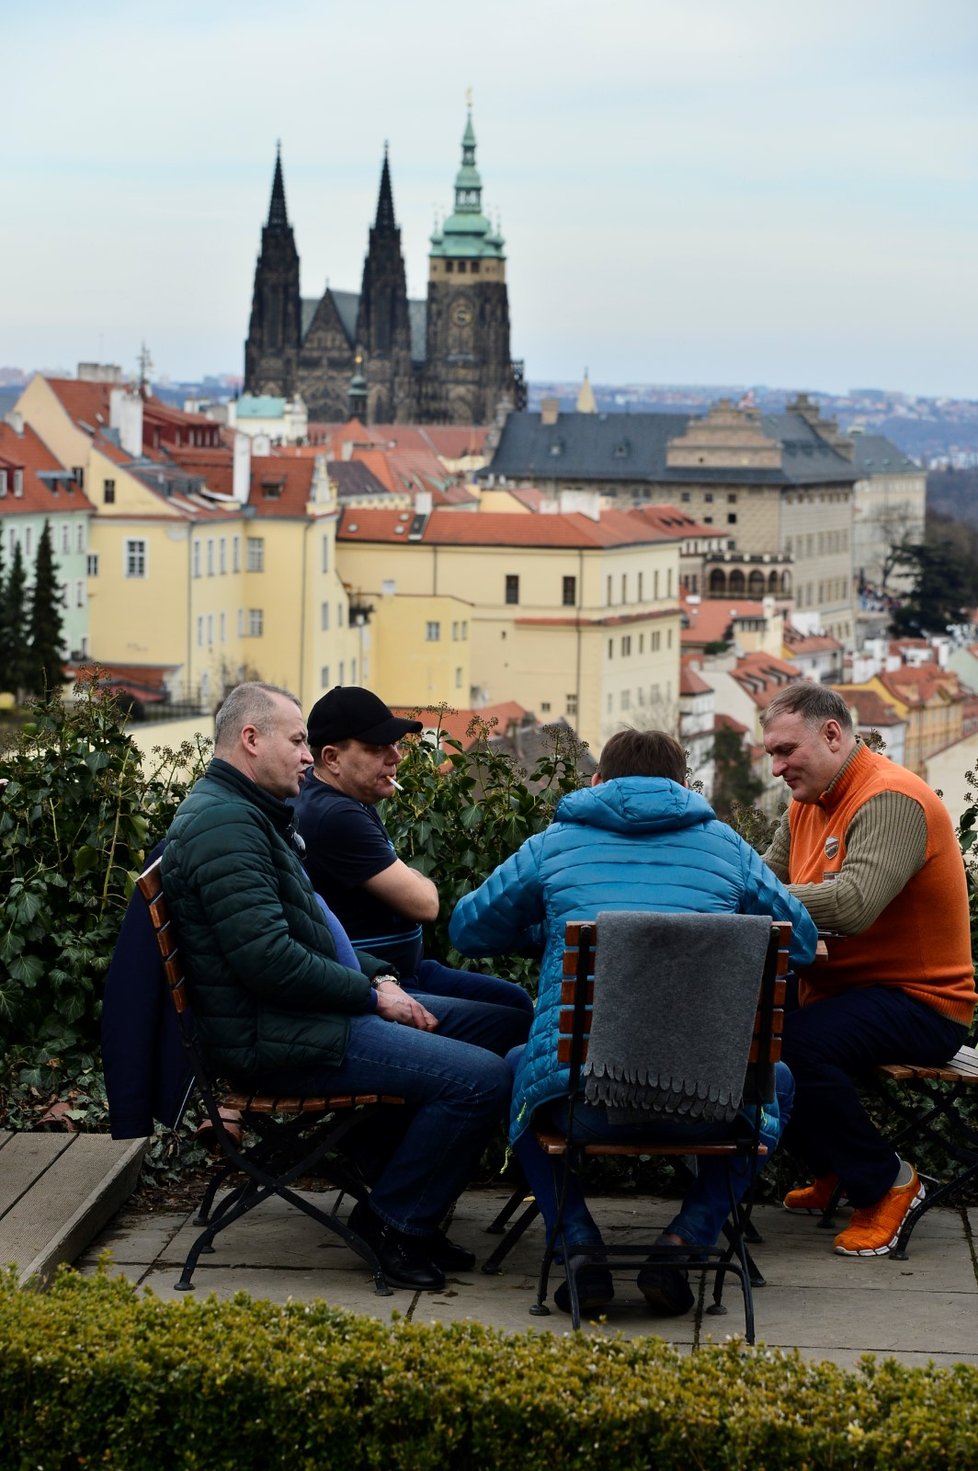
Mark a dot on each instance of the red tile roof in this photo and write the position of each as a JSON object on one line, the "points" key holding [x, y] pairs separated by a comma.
{"points": [[28, 452], [503, 528], [675, 522], [455, 724], [710, 619], [280, 486], [870, 707]]}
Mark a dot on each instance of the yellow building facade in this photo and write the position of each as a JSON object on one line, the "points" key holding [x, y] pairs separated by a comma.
{"points": [[567, 616]]}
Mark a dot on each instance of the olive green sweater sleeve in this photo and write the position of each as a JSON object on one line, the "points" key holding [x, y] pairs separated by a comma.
{"points": [[886, 844]]}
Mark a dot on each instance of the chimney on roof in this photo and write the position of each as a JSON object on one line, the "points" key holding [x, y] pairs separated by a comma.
{"points": [[126, 418], [241, 468], [549, 411]]}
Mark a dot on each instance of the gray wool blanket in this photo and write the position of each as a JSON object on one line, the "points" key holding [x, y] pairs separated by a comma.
{"points": [[674, 1003]]}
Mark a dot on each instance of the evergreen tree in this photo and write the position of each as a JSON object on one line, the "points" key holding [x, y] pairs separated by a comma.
{"points": [[943, 589], [734, 782], [44, 636], [13, 626]]}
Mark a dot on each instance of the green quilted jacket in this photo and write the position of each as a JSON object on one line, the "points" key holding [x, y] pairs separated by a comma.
{"points": [[266, 990]]}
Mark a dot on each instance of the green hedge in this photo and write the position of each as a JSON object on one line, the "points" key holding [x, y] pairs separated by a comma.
{"points": [[92, 1374]]}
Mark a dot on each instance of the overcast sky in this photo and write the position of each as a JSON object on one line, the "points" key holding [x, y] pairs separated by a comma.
{"points": [[699, 191]]}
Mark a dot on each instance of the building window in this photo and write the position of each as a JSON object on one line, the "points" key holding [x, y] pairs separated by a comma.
{"points": [[624, 587], [28, 539], [465, 628], [512, 588], [626, 699], [91, 564], [626, 645], [79, 595], [611, 648], [80, 536], [458, 679], [708, 497], [108, 492], [641, 586], [78, 476], [210, 556], [195, 559], [256, 622], [353, 671], [3, 482], [235, 554], [608, 590], [731, 518], [339, 615], [655, 639], [432, 632], [210, 629], [570, 704], [324, 617], [324, 677], [325, 567], [256, 554], [200, 630], [222, 555], [135, 557], [342, 678], [569, 594], [65, 538], [224, 628]]}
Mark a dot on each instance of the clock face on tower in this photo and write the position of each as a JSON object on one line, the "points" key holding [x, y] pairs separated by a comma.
{"points": [[462, 313]]}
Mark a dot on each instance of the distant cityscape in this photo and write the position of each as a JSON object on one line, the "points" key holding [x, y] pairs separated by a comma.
{"points": [[938, 433]]}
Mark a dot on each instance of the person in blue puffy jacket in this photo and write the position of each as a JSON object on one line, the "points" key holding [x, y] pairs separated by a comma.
{"points": [[637, 838]]}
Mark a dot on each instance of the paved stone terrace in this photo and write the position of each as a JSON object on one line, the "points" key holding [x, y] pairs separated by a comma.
{"points": [[827, 1306]]}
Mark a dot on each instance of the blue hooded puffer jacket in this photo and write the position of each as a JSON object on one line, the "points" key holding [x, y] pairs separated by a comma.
{"points": [[636, 842]]}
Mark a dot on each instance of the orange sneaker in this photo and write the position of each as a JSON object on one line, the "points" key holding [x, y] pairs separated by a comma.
{"points": [[811, 1200], [875, 1228]]}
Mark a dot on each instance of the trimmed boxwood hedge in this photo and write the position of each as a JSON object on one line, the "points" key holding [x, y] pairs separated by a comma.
{"points": [[92, 1374]]}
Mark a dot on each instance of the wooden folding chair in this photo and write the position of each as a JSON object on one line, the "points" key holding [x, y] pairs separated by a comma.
{"points": [[577, 996], [279, 1141]]}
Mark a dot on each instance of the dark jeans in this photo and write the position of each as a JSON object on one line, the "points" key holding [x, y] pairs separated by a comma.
{"points": [[830, 1042], [457, 1088], [441, 980]]}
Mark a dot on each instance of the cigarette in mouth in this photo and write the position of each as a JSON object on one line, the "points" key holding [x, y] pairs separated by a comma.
{"points": [[395, 784]]}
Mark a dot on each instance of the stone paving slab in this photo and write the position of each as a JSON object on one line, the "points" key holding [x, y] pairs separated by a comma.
{"points": [[57, 1191], [827, 1306]]}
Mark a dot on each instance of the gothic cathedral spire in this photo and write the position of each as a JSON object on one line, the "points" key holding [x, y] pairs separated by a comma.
{"points": [[383, 331], [275, 328]]}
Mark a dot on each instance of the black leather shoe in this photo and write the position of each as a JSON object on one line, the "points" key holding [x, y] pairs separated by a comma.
{"points": [[666, 1290], [448, 1254], [595, 1289], [404, 1260]]}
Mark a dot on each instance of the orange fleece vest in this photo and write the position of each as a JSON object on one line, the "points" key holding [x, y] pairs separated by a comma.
{"points": [[922, 940]]}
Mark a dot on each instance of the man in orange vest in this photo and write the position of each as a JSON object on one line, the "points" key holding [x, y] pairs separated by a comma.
{"points": [[870, 850]]}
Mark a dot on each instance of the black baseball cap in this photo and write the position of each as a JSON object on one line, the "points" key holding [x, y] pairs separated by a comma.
{"points": [[350, 713]]}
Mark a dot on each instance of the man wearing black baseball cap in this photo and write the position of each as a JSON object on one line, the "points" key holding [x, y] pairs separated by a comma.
{"points": [[380, 901]]}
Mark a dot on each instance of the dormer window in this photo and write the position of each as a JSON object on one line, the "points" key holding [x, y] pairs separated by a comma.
{"points": [[621, 450], [3, 482], [272, 489], [18, 482]]}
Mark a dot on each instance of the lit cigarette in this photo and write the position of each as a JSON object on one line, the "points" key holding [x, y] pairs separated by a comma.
{"points": [[396, 784]]}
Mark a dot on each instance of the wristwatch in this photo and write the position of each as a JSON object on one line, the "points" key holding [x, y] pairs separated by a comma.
{"points": [[385, 976]]}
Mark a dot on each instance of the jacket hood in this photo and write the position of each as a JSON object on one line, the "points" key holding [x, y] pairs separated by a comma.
{"points": [[635, 804]]}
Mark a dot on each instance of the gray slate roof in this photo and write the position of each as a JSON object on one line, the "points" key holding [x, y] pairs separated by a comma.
{"points": [[632, 447], [875, 455]]}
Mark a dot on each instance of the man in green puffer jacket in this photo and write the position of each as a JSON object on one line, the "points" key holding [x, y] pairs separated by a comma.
{"points": [[282, 1002]]}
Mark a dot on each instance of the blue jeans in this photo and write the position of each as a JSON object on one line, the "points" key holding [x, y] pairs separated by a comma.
{"points": [[441, 980], [456, 1086], [706, 1203], [828, 1042]]}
